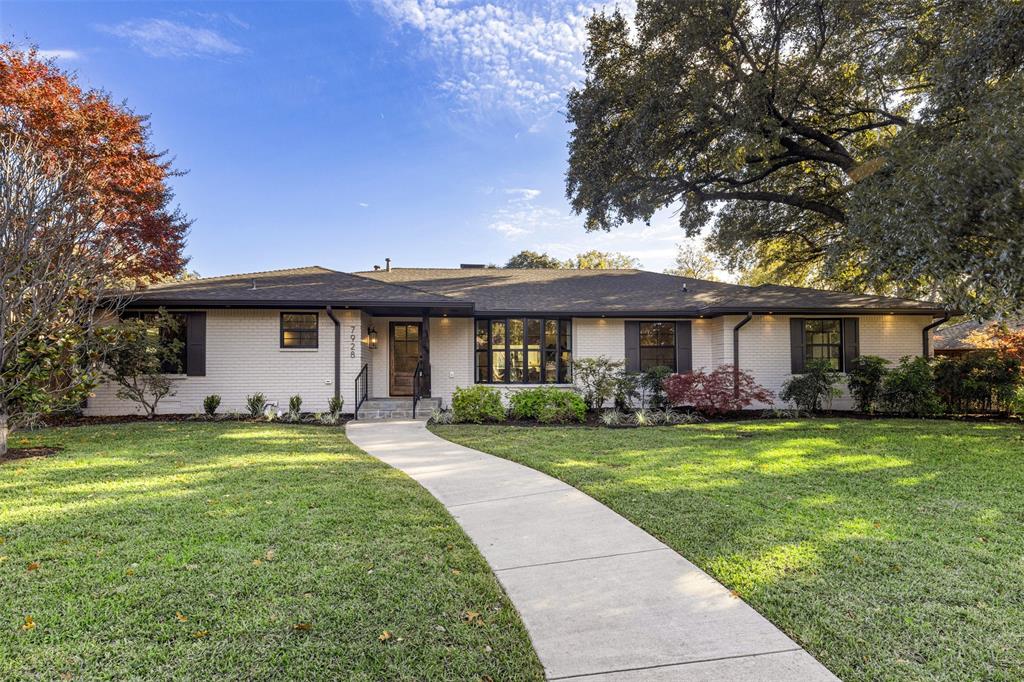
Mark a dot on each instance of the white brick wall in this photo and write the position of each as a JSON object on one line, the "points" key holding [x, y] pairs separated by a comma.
{"points": [[243, 356]]}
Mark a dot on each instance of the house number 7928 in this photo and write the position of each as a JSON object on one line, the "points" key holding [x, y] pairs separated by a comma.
{"points": [[352, 341]]}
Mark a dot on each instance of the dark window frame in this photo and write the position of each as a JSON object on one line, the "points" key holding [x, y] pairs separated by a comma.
{"points": [[841, 346], [282, 329], [182, 319], [562, 350], [675, 342]]}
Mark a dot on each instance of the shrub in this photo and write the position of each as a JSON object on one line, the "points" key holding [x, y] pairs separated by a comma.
{"points": [[546, 404], [814, 389], [1017, 404], [334, 406], [612, 418], [477, 405], [442, 417], [294, 407], [653, 384], [909, 388], [981, 381], [642, 418], [626, 389], [256, 404], [864, 378], [210, 404], [596, 379], [713, 393]]}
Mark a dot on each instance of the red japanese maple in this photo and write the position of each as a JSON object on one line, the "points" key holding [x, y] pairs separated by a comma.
{"points": [[714, 393]]}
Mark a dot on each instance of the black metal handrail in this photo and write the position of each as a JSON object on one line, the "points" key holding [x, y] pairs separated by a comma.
{"points": [[417, 375], [361, 397]]}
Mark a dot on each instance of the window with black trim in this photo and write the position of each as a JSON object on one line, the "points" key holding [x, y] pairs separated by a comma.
{"points": [[168, 335], [516, 350], [657, 345], [823, 340], [300, 330]]}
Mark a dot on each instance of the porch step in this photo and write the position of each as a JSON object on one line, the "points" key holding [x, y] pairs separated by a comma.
{"points": [[397, 408]]}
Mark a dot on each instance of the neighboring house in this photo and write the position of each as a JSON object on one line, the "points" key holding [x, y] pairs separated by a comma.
{"points": [[318, 332], [951, 339]]}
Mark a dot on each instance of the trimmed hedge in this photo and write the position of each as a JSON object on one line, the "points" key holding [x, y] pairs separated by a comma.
{"points": [[477, 404], [548, 405]]}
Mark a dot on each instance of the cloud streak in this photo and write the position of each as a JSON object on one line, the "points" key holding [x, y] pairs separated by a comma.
{"points": [[66, 55], [165, 38]]}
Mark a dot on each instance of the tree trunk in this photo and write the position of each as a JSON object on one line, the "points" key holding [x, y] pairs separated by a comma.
{"points": [[3, 434]]}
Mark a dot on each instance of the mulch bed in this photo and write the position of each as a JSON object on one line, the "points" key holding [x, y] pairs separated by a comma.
{"points": [[24, 453], [80, 420]]}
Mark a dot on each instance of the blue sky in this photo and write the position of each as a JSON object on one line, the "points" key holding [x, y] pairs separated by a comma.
{"points": [[339, 133]]}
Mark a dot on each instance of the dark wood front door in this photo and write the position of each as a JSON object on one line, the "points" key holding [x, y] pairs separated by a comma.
{"points": [[405, 354]]}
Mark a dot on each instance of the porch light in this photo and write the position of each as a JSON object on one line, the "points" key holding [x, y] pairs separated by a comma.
{"points": [[371, 337]]}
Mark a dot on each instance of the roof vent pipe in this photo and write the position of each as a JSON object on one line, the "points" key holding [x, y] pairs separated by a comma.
{"points": [[376, 268], [253, 282], [387, 265], [684, 287]]}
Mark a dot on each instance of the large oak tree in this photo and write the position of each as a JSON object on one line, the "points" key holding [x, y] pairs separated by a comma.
{"points": [[876, 144]]}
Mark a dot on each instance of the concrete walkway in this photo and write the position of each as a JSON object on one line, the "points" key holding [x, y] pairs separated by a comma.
{"points": [[601, 599]]}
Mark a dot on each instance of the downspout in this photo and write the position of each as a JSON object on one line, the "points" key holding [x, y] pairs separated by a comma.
{"points": [[928, 328], [736, 354], [337, 353]]}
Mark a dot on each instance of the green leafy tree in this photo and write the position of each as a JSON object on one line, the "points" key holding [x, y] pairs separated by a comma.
{"points": [[532, 260], [143, 353], [695, 262], [602, 260], [868, 145]]}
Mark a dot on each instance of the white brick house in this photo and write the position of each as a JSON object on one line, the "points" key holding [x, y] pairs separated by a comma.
{"points": [[319, 333]]}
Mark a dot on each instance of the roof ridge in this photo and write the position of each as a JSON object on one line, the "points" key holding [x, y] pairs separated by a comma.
{"points": [[239, 274], [401, 286]]}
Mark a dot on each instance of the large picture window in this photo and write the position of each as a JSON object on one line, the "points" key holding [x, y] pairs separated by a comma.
{"points": [[657, 345], [299, 330], [823, 340], [518, 350]]}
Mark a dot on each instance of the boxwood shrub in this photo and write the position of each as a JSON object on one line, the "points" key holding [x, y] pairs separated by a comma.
{"points": [[477, 404], [548, 405]]}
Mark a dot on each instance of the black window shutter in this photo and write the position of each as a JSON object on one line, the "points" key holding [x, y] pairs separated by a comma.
{"points": [[851, 341], [195, 345], [632, 346], [684, 347], [796, 344]]}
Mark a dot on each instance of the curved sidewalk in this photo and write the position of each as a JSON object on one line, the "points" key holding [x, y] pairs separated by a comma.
{"points": [[601, 598]]}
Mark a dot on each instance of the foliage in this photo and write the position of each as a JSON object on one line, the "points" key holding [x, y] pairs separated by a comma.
{"points": [[867, 145], [909, 388], [210, 404], [597, 379], [232, 528], [652, 383], [602, 260], [1006, 340], [477, 404], [1016, 406], [335, 405], [532, 260], [806, 516], [714, 393], [143, 353], [642, 417], [295, 407], [612, 417], [814, 389], [256, 404], [694, 262], [547, 405], [981, 381], [864, 378], [439, 416]]}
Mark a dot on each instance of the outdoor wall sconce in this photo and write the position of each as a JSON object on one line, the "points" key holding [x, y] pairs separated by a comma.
{"points": [[372, 338]]}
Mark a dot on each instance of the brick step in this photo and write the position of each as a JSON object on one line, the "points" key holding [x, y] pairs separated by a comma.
{"points": [[397, 408]]}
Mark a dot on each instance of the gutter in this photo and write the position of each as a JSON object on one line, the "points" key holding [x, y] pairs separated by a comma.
{"points": [[736, 354], [928, 328], [337, 353]]}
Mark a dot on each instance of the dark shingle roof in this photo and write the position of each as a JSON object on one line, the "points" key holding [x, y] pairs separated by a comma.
{"points": [[311, 285], [496, 290]]}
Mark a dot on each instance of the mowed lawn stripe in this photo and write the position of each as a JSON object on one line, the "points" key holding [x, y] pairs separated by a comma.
{"points": [[190, 550], [890, 549]]}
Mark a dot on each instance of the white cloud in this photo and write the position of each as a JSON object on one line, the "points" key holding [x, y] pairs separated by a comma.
{"points": [[524, 194], [522, 56], [66, 55], [164, 38], [363, 204]]}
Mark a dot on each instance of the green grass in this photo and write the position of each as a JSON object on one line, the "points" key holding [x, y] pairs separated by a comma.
{"points": [[246, 531], [890, 549]]}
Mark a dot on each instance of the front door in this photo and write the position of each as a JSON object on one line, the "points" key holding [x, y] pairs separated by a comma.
{"points": [[405, 354]]}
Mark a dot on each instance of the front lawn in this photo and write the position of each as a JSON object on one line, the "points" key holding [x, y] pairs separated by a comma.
{"points": [[890, 549], [238, 551]]}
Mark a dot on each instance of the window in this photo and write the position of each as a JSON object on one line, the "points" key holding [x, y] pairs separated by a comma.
{"points": [[519, 350], [299, 330], [657, 345], [823, 340], [178, 365]]}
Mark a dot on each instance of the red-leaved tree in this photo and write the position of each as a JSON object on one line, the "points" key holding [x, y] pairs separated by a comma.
{"points": [[109, 146], [714, 393]]}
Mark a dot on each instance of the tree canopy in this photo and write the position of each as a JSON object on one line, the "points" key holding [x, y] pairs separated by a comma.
{"points": [[692, 261], [527, 260], [874, 145], [588, 260]]}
